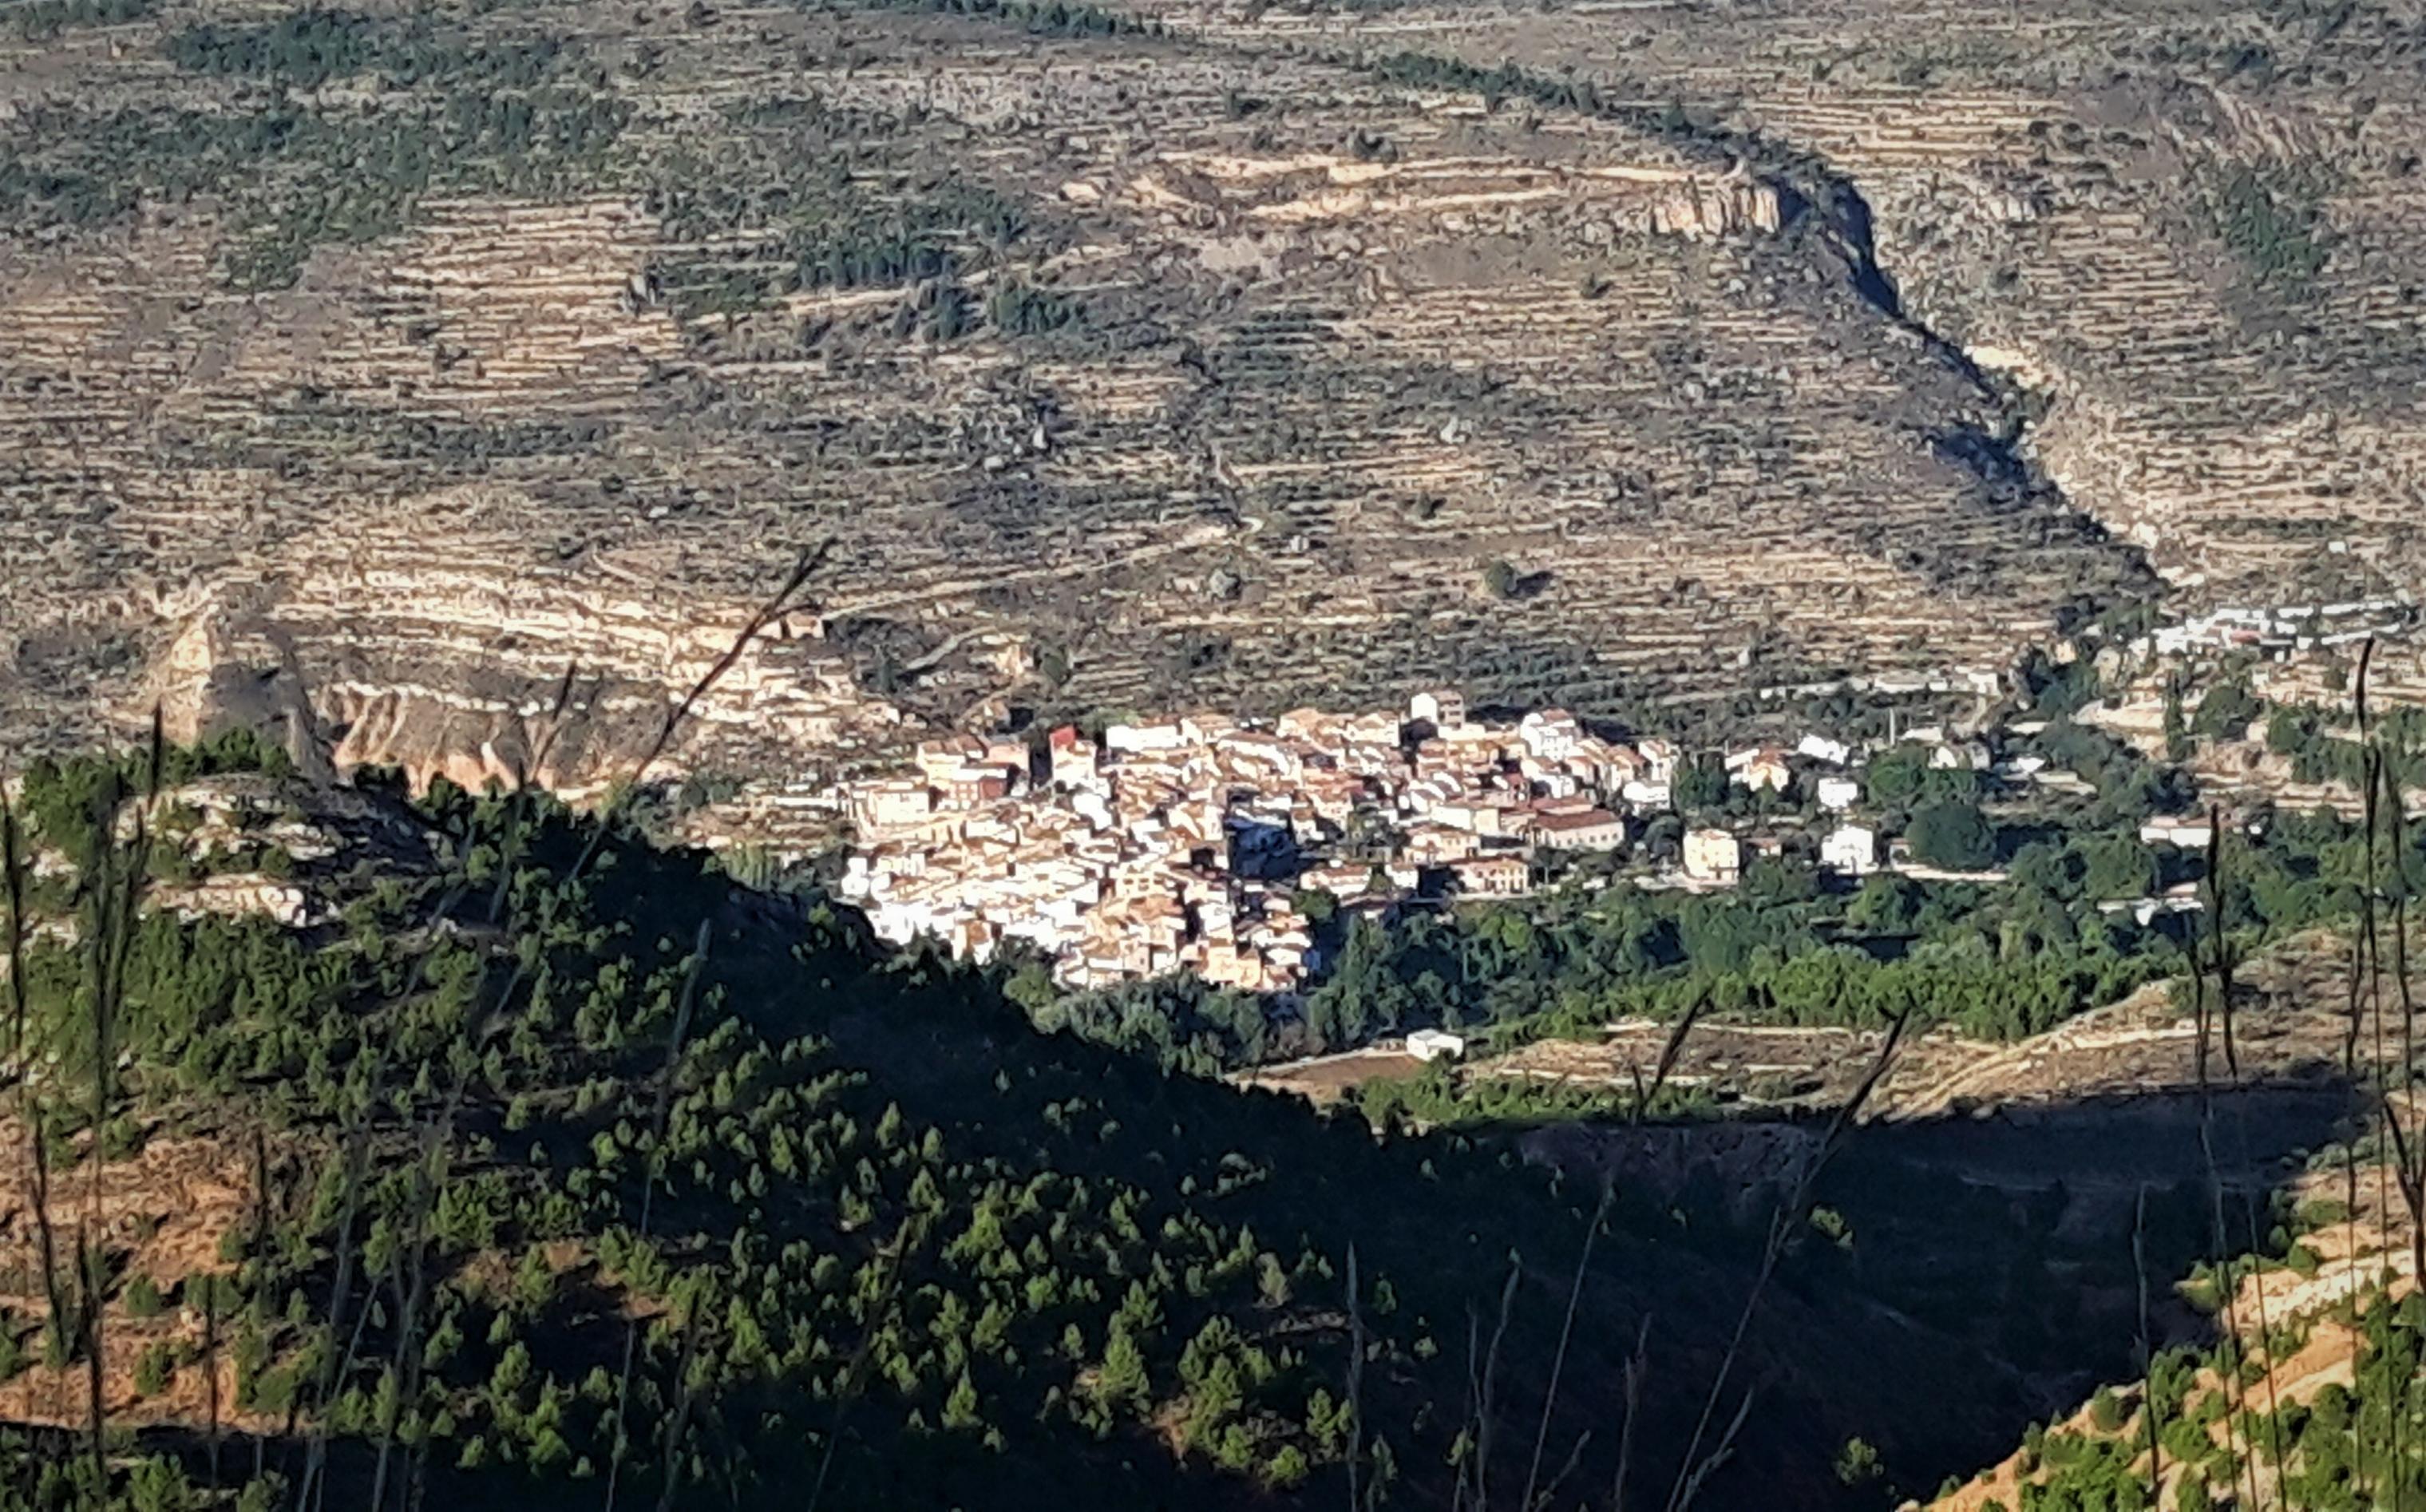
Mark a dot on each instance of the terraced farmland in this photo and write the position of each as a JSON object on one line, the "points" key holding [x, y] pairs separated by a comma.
{"points": [[468, 369]]}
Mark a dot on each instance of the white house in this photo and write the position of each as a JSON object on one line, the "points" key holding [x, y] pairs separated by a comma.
{"points": [[2144, 910], [1963, 756], [1851, 849], [1130, 738], [1839, 793], [1646, 795], [887, 804], [1438, 707], [2191, 832], [1763, 765], [1820, 748], [1550, 733], [1072, 757], [1550, 781], [1713, 855], [936, 759], [1483, 816], [1659, 759], [1435, 1044], [1498, 875], [1594, 829]]}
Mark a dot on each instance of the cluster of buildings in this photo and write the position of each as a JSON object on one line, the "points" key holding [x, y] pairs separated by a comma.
{"points": [[2284, 629], [1196, 844]]}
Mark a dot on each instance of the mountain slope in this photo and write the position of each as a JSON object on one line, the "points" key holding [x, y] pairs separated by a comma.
{"points": [[387, 1180]]}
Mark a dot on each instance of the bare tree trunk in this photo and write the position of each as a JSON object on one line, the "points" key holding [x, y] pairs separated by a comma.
{"points": [[1566, 1331], [20, 1046], [2408, 1172], [210, 1283], [651, 1172], [2147, 1360], [1355, 1381], [908, 1237], [334, 1368], [675, 1423], [1486, 1411], [1637, 1367]]}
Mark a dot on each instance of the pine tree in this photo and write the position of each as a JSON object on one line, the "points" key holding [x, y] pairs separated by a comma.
{"points": [[1122, 1379], [960, 1407]]}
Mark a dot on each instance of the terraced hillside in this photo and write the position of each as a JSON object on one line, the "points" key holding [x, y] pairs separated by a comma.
{"points": [[1171, 354], [424, 353], [2191, 233]]}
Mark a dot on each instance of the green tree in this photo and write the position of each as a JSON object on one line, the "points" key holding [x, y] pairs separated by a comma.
{"points": [[2227, 711], [1287, 1468], [1121, 1381], [1885, 904], [1955, 836], [2294, 732], [1700, 783], [152, 1369], [2118, 866], [2177, 735], [1894, 777], [1857, 1463], [960, 1407], [1319, 906], [1364, 991]]}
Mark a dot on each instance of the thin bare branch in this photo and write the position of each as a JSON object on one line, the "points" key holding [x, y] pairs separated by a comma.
{"points": [[2147, 1357], [651, 1173], [1669, 1052], [1567, 1332], [1694, 1471], [1486, 1410], [1638, 1366], [1355, 1382], [775, 607]]}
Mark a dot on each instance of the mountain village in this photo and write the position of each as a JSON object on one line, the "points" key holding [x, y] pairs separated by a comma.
{"points": [[1198, 844]]}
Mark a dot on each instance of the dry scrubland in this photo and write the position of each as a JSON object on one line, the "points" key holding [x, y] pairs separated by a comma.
{"points": [[2292, 1020], [2291, 1024], [476, 366]]}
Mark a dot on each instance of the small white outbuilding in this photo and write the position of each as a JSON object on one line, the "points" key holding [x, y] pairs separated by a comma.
{"points": [[1435, 1045]]}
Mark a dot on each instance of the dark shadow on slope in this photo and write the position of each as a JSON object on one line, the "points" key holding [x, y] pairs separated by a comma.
{"points": [[1892, 1337], [2005, 1240]]}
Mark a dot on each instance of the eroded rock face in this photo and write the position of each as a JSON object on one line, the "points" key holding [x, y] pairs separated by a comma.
{"points": [[1721, 209], [1660, 192], [543, 676]]}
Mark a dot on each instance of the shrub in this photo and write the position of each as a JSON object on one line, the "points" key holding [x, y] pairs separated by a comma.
{"points": [[153, 1371], [143, 1297], [1857, 1462], [2277, 235], [2106, 1411]]}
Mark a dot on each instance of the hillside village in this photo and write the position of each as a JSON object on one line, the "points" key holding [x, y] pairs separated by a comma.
{"points": [[1199, 843]]}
